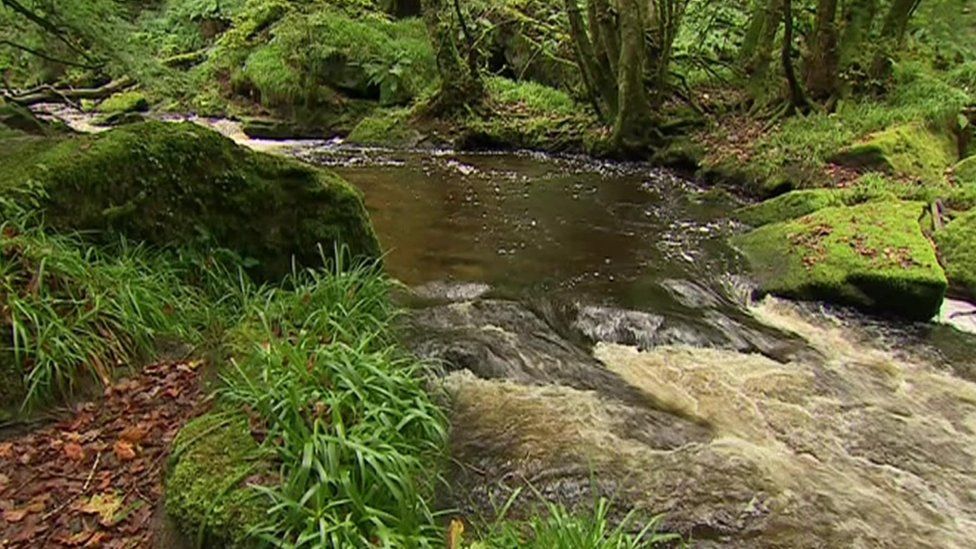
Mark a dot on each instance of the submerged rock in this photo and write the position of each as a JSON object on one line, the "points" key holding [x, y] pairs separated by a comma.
{"points": [[733, 448], [912, 150], [957, 245], [180, 184], [873, 256]]}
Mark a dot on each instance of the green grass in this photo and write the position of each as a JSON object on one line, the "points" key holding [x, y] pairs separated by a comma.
{"points": [[556, 527], [344, 413], [73, 311]]}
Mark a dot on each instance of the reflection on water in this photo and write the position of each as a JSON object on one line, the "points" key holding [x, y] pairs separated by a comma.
{"points": [[568, 228]]}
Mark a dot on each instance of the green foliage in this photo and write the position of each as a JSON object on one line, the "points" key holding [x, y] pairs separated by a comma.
{"points": [[308, 53], [71, 310], [559, 528], [343, 412]]}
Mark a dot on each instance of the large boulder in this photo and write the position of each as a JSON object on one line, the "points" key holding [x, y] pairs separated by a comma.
{"points": [[909, 150], [181, 184], [873, 256], [957, 245]]}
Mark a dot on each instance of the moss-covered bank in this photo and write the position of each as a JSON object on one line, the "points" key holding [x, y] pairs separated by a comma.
{"points": [[181, 184]]}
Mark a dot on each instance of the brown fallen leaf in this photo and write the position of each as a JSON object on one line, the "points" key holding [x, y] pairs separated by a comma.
{"points": [[14, 515], [134, 434], [4, 481], [7, 450], [74, 451], [124, 450]]}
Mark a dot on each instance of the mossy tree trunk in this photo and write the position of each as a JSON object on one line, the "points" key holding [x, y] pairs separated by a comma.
{"points": [[821, 65], [892, 32], [798, 99], [760, 42], [461, 85], [623, 50]]}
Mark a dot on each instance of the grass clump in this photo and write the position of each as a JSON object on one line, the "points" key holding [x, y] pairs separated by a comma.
{"points": [[72, 311], [873, 256], [556, 527], [344, 415]]}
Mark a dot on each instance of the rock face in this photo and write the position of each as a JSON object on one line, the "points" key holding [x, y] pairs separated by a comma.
{"points": [[873, 256], [912, 150], [181, 184], [957, 245], [843, 445]]}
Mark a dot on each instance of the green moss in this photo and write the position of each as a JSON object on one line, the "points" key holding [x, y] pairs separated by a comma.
{"points": [[910, 150], [207, 494], [873, 256], [181, 184], [965, 171], [957, 245], [124, 102], [789, 206], [682, 153], [529, 116], [389, 128]]}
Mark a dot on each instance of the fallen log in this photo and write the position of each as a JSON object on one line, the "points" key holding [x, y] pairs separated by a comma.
{"points": [[50, 94]]}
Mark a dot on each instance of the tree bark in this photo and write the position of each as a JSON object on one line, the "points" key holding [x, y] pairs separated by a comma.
{"points": [[598, 77], [892, 34], [822, 63], [461, 85], [632, 123], [798, 99], [50, 94]]}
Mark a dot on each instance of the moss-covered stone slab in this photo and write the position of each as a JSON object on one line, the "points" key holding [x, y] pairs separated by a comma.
{"points": [[123, 102], [910, 150], [181, 184], [208, 492], [957, 245], [789, 206], [873, 256]]}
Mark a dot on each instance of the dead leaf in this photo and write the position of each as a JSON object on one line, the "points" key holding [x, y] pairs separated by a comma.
{"points": [[74, 451], [134, 434], [14, 515], [455, 534], [6, 450], [4, 481], [105, 506], [124, 450]]}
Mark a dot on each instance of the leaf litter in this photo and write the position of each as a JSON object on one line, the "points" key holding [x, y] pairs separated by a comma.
{"points": [[95, 478]]}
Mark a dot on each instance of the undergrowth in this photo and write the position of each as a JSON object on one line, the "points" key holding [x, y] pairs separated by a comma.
{"points": [[72, 311]]}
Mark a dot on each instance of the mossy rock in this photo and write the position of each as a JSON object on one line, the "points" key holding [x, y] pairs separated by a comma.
{"points": [[118, 119], [124, 102], [957, 245], [207, 486], [684, 154], [965, 171], [873, 256], [789, 206], [910, 150], [179, 184], [388, 128]]}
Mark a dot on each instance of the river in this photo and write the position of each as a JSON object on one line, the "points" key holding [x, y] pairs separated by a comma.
{"points": [[596, 336]]}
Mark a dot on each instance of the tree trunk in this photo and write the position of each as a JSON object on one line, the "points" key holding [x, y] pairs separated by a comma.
{"points": [[798, 99], [597, 77], [822, 62], [461, 85], [632, 124], [50, 94], [858, 20], [892, 33]]}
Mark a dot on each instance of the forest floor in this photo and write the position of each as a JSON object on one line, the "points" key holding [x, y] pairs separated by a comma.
{"points": [[95, 477]]}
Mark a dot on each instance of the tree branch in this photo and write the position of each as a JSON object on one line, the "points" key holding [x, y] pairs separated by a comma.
{"points": [[43, 55]]}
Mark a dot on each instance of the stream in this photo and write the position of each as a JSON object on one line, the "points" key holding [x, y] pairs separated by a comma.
{"points": [[597, 337]]}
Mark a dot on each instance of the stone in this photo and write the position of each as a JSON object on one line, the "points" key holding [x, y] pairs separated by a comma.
{"points": [[908, 150], [873, 256]]}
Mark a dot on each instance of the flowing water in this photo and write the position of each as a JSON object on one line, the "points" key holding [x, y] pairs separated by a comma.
{"points": [[597, 338]]}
